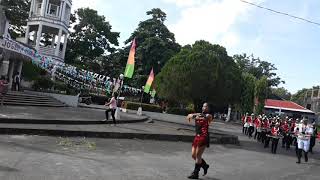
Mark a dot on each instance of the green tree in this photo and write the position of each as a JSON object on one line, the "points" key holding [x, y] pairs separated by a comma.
{"points": [[281, 93], [91, 37], [17, 12], [300, 96], [261, 86], [156, 44], [247, 93], [258, 68], [198, 73]]}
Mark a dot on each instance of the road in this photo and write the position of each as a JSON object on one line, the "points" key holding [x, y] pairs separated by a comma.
{"points": [[51, 158]]}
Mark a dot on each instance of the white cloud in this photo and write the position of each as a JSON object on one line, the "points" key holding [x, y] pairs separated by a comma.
{"points": [[211, 20]]}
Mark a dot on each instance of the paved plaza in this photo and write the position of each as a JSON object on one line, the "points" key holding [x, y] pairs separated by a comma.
{"points": [[38, 157]]}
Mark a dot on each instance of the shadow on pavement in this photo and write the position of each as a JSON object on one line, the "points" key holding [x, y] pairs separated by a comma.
{"points": [[8, 169]]}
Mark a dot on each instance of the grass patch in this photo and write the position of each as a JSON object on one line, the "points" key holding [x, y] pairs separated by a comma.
{"points": [[69, 144]]}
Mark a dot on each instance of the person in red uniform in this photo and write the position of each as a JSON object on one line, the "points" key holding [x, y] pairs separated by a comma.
{"points": [[275, 132], [267, 126], [201, 140], [258, 125], [285, 129], [251, 126]]}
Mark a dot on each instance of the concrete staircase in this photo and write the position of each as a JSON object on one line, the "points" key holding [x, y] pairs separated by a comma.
{"points": [[14, 98]]}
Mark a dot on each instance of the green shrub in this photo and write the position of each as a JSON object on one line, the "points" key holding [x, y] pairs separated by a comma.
{"points": [[43, 83], [31, 72], [145, 107], [179, 111]]}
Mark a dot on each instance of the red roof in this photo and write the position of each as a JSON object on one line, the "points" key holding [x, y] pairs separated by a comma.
{"points": [[285, 105]]}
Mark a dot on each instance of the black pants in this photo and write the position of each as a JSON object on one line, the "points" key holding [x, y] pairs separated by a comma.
{"points": [[246, 131], [266, 141], [263, 136], [286, 141], [255, 134], [258, 136], [16, 86], [312, 143], [251, 130], [274, 146], [113, 112], [299, 155]]}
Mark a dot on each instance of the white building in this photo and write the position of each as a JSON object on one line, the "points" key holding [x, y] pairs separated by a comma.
{"points": [[50, 19], [47, 32]]}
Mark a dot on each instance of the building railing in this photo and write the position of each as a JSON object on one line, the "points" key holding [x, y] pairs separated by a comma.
{"points": [[49, 51]]}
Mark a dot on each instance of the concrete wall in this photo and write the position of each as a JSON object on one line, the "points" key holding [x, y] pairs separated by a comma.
{"points": [[68, 100]]}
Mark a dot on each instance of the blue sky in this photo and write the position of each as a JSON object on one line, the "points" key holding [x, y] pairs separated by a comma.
{"points": [[292, 45]]}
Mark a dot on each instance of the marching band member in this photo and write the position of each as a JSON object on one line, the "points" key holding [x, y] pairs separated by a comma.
{"points": [[201, 140], [251, 126], [286, 134], [258, 124], [303, 132], [267, 127], [275, 135], [244, 121]]}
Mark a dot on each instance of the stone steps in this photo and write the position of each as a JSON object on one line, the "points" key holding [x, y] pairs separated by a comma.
{"points": [[14, 98]]}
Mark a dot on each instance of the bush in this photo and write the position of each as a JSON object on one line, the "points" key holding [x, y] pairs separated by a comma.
{"points": [[42, 83], [179, 111], [145, 107], [31, 72]]}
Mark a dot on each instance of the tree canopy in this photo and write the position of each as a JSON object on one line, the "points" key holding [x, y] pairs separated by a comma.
{"points": [[91, 37], [247, 93], [156, 44], [281, 93], [258, 68], [198, 73], [17, 12]]}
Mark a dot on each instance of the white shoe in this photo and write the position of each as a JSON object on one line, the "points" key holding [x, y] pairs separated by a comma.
{"points": [[104, 120]]}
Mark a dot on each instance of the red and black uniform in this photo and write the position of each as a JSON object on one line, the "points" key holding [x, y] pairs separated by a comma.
{"points": [[275, 139], [266, 127], [258, 124], [285, 128], [202, 131], [251, 127]]}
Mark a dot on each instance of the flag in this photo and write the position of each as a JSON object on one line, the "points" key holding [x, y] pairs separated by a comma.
{"points": [[149, 82], [153, 93], [130, 63]]}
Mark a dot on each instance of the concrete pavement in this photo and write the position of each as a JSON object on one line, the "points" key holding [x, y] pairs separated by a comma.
{"points": [[39, 158]]}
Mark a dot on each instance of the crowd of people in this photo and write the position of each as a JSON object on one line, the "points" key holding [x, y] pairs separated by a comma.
{"points": [[299, 133]]}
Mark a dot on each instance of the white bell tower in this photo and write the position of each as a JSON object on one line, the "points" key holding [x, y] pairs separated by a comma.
{"points": [[47, 28]]}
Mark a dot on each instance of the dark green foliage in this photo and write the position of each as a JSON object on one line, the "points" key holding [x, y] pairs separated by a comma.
{"points": [[258, 68], [17, 12], [30, 71], [281, 93], [91, 38], [43, 83], [145, 107], [261, 88], [155, 45], [247, 93], [179, 111], [199, 73]]}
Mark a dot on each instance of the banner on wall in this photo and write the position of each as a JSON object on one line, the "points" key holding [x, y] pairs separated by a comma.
{"points": [[82, 78]]}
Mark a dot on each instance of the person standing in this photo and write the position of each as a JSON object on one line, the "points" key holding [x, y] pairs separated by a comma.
{"points": [[275, 138], [112, 108], [16, 82], [303, 139], [201, 140], [251, 127], [285, 129]]}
